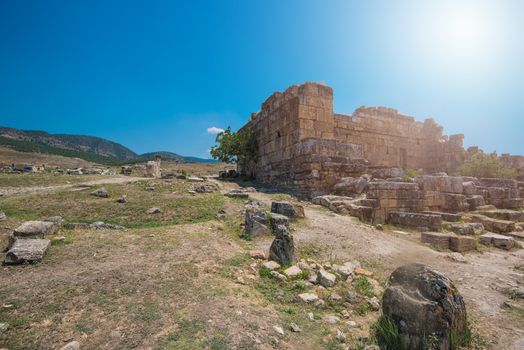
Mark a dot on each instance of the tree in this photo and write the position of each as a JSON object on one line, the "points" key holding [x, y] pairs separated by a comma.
{"points": [[236, 147], [487, 165]]}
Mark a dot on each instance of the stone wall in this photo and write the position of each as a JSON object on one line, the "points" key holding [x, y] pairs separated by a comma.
{"points": [[305, 146]]}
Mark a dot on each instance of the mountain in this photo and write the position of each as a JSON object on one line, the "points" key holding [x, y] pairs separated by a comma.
{"points": [[90, 148], [79, 143], [176, 157]]}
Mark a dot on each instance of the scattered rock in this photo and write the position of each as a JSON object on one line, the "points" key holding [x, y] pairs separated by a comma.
{"points": [[153, 211], [271, 265], [101, 192], [278, 276], [207, 188], [58, 239], [3, 327], [346, 269], [195, 179], [74, 345], [237, 195], [100, 225], [457, 257], [257, 254], [295, 328], [308, 297], [292, 271], [373, 303], [2, 216], [363, 272], [279, 330], [421, 301], [292, 211], [332, 319], [122, 199], [352, 324], [326, 279], [311, 316], [26, 251], [352, 297], [341, 337]]}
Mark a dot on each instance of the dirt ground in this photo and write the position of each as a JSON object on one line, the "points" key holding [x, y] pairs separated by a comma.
{"points": [[480, 280], [177, 286]]}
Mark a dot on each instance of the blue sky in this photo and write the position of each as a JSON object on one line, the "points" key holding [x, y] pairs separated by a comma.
{"points": [[155, 75]]}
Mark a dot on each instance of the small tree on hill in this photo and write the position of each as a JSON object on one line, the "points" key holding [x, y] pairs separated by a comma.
{"points": [[236, 147], [487, 165]]}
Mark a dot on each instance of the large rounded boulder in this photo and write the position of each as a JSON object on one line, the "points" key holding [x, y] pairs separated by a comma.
{"points": [[425, 306]]}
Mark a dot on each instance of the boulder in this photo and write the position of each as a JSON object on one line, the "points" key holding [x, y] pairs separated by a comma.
{"points": [[26, 251], [326, 279], [36, 229], [74, 345], [292, 211], [282, 249], [423, 302], [346, 269], [101, 192], [2, 216], [151, 211], [271, 265], [256, 223], [308, 297], [292, 271]]}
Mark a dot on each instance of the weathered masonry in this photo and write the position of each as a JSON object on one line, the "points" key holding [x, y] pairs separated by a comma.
{"points": [[304, 145]]}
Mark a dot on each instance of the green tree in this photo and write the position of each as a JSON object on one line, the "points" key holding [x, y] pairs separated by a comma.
{"points": [[487, 165], [236, 147]]}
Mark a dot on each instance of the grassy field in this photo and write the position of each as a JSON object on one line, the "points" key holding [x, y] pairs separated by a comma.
{"points": [[43, 179], [176, 205]]}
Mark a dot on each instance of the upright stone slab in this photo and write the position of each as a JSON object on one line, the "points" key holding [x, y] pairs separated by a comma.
{"points": [[292, 211], [282, 249]]}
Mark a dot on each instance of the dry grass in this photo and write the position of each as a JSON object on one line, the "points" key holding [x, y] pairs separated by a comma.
{"points": [[42, 179], [8, 156]]}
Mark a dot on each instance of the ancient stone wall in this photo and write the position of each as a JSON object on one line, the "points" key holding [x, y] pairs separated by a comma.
{"points": [[304, 145]]}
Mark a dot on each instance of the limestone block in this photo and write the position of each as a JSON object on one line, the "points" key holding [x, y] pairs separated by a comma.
{"points": [[461, 243]]}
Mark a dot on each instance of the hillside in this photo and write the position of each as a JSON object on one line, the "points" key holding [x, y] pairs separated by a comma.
{"points": [[89, 148], [78, 143]]}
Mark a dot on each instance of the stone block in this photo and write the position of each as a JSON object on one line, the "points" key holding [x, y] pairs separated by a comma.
{"points": [[415, 220], [504, 214], [475, 202], [495, 182], [26, 251], [469, 188], [494, 225], [436, 239], [36, 229], [497, 240], [451, 217], [454, 202], [447, 184], [461, 243], [467, 228]]}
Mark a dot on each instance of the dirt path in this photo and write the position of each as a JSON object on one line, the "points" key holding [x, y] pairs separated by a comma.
{"points": [[479, 280], [14, 191]]}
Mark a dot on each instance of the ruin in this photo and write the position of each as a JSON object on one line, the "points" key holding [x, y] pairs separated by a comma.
{"points": [[304, 145]]}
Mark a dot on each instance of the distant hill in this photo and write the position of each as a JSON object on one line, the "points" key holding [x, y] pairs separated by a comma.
{"points": [[78, 143], [176, 157], [90, 148]]}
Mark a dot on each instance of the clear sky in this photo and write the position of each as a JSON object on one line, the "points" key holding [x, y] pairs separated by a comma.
{"points": [[155, 75]]}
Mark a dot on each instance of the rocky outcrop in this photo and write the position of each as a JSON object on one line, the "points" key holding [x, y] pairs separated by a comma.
{"points": [[423, 303]]}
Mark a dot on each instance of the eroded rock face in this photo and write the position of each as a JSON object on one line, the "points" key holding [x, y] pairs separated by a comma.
{"points": [[424, 303]]}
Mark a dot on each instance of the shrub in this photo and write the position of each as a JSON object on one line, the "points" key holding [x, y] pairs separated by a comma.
{"points": [[487, 165]]}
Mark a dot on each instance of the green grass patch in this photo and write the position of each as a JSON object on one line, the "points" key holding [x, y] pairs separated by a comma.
{"points": [[81, 206], [363, 286]]}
